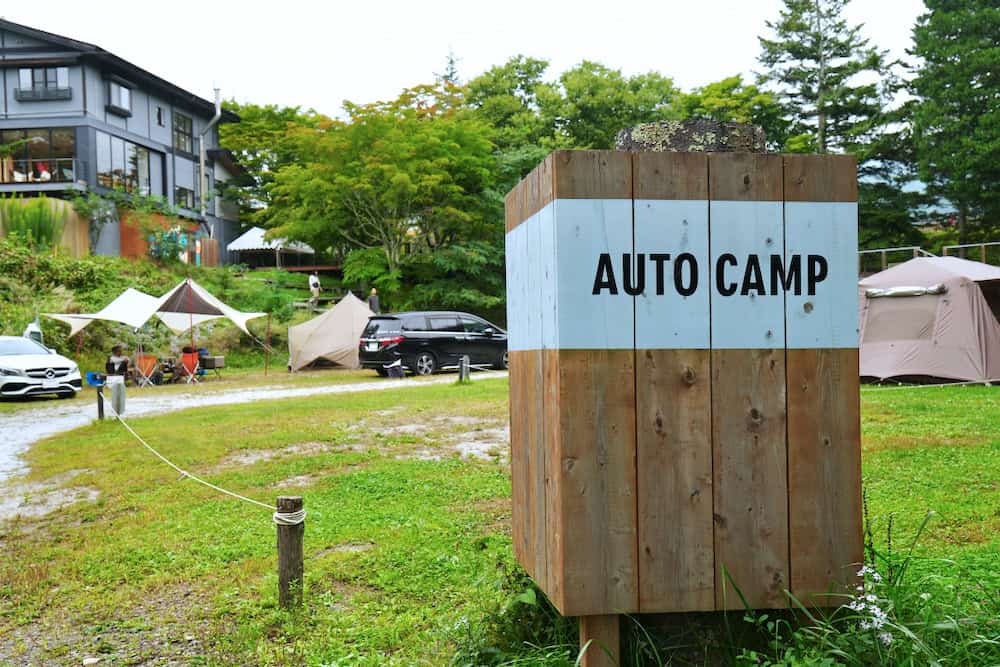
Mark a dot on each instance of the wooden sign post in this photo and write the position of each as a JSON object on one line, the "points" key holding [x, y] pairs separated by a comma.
{"points": [[684, 380]]}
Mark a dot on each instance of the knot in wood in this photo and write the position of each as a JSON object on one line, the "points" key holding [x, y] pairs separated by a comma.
{"points": [[689, 377], [756, 417]]}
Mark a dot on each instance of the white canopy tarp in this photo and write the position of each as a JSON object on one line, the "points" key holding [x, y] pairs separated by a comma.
{"points": [[187, 304], [131, 307], [190, 304], [253, 239], [332, 336]]}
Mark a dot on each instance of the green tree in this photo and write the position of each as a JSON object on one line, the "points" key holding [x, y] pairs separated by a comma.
{"points": [[262, 143], [832, 83], [594, 102], [730, 99], [406, 176], [957, 116]]}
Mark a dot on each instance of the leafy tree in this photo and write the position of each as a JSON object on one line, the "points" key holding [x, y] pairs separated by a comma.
{"points": [[262, 143], [730, 99], [957, 115], [832, 84], [594, 102], [406, 176]]}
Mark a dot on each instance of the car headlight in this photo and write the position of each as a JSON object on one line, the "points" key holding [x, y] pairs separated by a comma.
{"points": [[73, 368], [12, 371]]}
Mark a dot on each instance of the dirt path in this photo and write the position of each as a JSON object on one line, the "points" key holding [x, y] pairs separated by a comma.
{"points": [[22, 428]]}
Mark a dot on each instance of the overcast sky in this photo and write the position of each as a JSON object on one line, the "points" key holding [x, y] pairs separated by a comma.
{"points": [[317, 54]]}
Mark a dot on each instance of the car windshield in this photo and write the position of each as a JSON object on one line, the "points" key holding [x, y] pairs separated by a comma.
{"points": [[381, 326], [11, 346]]}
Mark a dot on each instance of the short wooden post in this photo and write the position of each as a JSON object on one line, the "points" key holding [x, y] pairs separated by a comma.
{"points": [[605, 643], [290, 566], [463, 368], [100, 402]]}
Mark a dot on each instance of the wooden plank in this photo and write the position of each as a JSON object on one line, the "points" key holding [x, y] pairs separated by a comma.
{"points": [[673, 389], [821, 178], [824, 437], [748, 387], [597, 484], [603, 634], [555, 549], [750, 477], [518, 366], [670, 175], [824, 459], [592, 175], [674, 480], [535, 525]]}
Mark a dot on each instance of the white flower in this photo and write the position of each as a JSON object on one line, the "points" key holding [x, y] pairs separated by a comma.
{"points": [[925, 596], [871, 598], [876, 577], [865, 625], [885, 638]]}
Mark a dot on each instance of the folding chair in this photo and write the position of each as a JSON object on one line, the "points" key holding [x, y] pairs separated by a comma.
{"points": [[190, 367], [145, 367]]}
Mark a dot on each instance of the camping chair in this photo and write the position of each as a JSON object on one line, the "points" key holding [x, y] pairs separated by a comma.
{"points": [[190, 367], [146, 366]]}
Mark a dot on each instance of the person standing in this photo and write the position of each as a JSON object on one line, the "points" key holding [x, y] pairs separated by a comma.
{"points": [[373, 302], [314, 288]]}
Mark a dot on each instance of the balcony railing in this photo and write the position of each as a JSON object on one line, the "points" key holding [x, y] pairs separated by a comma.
{"points": [[43, 170], [41, 94]]}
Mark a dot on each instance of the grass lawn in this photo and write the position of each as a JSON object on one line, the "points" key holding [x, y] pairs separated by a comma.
{"points": [[407, 539]]}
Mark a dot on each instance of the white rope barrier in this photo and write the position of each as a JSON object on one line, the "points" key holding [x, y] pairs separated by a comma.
{"points": [[280, 518]]}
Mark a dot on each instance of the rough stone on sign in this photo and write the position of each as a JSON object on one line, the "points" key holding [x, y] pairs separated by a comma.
{"points": [[692, 136]]}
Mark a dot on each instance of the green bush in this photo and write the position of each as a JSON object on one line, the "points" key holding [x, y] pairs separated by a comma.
{"points": [[34, 221]]}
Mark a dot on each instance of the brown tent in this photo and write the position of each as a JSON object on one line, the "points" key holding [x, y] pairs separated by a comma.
{"points": [[332, 336], [931, 317]]}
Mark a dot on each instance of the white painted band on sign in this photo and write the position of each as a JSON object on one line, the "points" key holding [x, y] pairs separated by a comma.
{"points": [[686, 275]]}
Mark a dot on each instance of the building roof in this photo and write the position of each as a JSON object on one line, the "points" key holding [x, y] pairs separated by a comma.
{"points": [[253, 239], [116, 65]]}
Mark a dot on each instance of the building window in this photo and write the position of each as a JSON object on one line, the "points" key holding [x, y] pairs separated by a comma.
{"points": [[38, 156], [184, 198], [123, 165], [159, 117], [43, 83], [119, 98], [183, 134]]}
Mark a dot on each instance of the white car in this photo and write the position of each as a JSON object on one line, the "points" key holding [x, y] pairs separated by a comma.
{"points": [[29, 369]]}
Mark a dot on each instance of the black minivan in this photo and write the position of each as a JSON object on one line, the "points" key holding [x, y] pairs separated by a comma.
{"points": [[428, 341]]}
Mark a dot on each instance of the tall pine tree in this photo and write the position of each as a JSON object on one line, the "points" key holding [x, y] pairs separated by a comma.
{"points": [[836, 90], [957, 117], [832, 83]]}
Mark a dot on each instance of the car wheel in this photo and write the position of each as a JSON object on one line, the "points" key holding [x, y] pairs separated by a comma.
{"points": [[501, 363], [424, 364], [382, 372]]}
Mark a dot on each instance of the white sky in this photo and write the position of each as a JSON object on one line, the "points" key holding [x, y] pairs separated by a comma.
{"points": [[316, 54]]}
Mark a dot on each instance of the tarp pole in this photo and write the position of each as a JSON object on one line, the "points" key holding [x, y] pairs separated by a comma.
{"points": [[267, 345]]}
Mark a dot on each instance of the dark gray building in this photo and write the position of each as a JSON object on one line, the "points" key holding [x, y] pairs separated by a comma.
{"points": [[75, 117]]}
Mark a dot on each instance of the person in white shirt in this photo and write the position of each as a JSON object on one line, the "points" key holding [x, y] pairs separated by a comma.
{"points": [[314, 288]]}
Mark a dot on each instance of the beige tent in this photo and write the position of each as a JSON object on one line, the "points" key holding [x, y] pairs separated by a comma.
{"points": [[332, 336], [931, 317]]}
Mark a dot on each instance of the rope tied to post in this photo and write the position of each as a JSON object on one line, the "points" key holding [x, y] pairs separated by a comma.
{"points": [[289, 518]]}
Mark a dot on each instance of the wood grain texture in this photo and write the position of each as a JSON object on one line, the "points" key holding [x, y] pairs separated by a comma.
{"points": [[750, 477], [597, 482], [674, 455], [821, 178], [824, 459], [521, 517], [670, 175], [604, 634], [744, 177], [554, 547], [591, 175]]}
